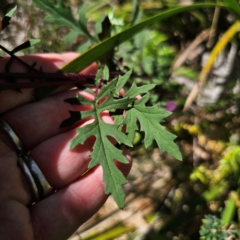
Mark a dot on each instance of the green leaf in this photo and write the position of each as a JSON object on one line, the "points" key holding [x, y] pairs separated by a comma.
{"points": [[105, 29], [105, 73], [70, 36], [107, 89], [229, 211], [98, 76], [135, 91], [25, 45], [104, 152], [135, 11], [62, 15], [122, 81], [7, 18], [149, 119], [233, 5], [105, 33]]}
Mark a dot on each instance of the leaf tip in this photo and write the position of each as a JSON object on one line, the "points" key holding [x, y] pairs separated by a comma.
{"points": [[178, 155]]}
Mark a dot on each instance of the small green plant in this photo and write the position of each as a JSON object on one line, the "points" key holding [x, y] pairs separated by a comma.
{"points": [[225, 176], [104, 152], [213, 229]]}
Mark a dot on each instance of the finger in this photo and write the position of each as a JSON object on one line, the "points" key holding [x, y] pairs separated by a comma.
{"points": [[58, 216], [33, 123], [49, 62], [12, 182], [60, 165]]}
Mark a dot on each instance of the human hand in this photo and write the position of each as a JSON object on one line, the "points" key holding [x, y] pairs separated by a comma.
{"points": [[37, 125]]}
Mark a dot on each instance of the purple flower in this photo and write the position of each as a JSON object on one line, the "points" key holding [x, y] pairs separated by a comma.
{"points": [[171, 106]]}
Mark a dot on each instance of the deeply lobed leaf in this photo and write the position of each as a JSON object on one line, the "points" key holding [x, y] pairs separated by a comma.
{"points": [[149, 119], [104, 151], [62, 15]]}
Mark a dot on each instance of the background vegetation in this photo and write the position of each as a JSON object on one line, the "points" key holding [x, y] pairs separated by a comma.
{"points": [[197, 198]]}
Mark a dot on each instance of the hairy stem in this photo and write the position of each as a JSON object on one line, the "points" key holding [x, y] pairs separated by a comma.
{"points": [[46, 79]]}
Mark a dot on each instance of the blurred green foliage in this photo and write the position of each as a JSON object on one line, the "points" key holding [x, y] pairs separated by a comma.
{"points": [[213, 229]]}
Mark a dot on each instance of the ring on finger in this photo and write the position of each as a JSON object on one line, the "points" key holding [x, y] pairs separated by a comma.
{"points": [[38, 183]]}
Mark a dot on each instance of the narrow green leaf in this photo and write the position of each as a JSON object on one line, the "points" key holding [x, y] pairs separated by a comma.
{"points": [[213, 192], [123, 80], [229, 211], [98, 76], [105, 29], [7, 18], [26, 45], [107, 45], [105, 33], [105, 73], [11, 12], [23, 46], [135, 11], [233, 5]]}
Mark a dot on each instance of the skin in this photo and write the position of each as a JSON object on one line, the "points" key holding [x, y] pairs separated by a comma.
{"points": [[37, 125]]}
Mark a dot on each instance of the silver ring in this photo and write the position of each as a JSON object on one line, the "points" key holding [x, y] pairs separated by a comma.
{"points": [[16, 141], [44, 188], [38, 183], [30, 179]]}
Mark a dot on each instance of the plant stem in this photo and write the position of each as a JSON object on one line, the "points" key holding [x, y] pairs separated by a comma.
{"points": [[8, 80], [19, 60]]}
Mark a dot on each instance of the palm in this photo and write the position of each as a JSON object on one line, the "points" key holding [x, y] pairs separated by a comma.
{"points": [[37, 125]]}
